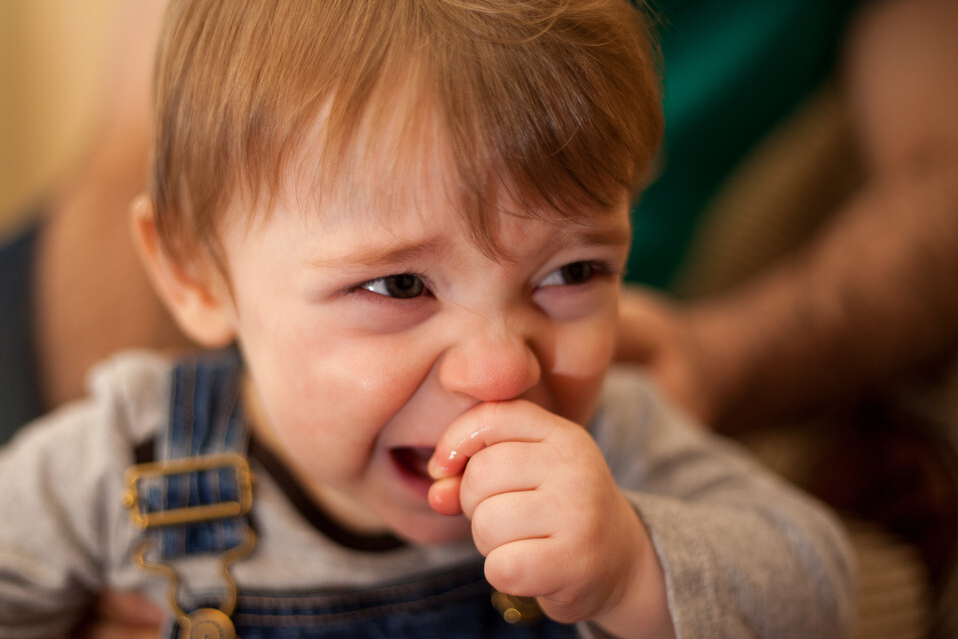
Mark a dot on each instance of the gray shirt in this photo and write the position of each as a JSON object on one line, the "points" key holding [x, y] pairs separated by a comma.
{"points": [[745, 555]]}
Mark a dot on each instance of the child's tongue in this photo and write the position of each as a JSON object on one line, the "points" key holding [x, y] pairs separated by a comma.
{"points": [[413, 459]]}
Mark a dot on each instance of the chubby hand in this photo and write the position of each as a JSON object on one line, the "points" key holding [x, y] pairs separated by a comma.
{"points": [[546, 513], [122, 615]]}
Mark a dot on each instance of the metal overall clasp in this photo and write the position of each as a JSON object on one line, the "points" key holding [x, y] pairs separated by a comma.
{"points": [[515, 610], [204, 623]]}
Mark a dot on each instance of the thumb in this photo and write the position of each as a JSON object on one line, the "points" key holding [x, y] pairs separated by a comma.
{"points": [[444, 495]]}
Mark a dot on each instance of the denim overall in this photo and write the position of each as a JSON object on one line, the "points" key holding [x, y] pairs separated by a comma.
{"points": [[207, 424]]}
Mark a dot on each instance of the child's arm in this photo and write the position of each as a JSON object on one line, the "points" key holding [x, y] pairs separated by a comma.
{"points": [[743, 551], [550, 519], [48, 567], [64, 534], [738, 552]]}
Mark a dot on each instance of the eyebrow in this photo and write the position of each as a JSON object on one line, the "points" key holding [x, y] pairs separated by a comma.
{"points": [[610, 236], [402, 252], [380, 255]]}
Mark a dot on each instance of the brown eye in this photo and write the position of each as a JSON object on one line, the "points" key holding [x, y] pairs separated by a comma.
{"points": [[571, 274], [402, 286], [577, 272]]}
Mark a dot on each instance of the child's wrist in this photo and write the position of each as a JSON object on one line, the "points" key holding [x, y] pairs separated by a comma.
{"points": [[639, 606]]}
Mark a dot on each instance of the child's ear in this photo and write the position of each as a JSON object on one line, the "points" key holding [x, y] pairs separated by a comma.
{"points": [[196, 296]]}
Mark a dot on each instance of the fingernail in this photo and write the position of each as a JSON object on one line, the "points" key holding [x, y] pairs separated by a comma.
{"points": [[441, 469]]}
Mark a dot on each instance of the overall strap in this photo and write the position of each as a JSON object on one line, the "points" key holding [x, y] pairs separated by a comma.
{"points": [[193, 499], [206, 416]]}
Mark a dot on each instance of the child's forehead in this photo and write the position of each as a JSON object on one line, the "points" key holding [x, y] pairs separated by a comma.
{"points": [[409, 149], [353, 232], [420, 191], [401, 164], [421, 100], [398, 158]]}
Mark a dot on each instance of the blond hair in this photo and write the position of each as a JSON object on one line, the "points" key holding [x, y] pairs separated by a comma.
{"points": [[555, 100]]}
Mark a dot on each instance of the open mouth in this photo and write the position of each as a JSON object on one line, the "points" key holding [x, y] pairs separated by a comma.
{"points": [[413, 460]]}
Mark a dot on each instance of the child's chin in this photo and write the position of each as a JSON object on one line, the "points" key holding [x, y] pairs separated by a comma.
{"points": [[433, 529]]}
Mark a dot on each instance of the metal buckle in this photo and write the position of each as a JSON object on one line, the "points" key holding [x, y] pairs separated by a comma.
{"points": [[207, 623], [192, 514], [515, 610], [204, 623]]}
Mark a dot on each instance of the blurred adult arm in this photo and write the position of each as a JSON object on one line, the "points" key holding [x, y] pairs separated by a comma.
{"points": [[91, 294], [874, 296]]}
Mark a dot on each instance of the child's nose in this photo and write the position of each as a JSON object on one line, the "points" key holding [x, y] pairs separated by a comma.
{"points": [[490, 363]]}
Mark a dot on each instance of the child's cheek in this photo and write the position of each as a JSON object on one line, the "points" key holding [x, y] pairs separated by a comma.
{"points": [[580, 366]]}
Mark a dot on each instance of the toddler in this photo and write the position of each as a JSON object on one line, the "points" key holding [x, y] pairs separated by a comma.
{"points": [[399, 229]]}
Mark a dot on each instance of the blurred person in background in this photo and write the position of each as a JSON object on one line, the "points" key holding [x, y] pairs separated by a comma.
{"points": [[816, 291]]}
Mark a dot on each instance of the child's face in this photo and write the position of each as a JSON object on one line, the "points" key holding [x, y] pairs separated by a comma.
{"points": [[367, 333]]}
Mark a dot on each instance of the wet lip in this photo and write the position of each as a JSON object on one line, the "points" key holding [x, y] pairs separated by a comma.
{"points": [[413, 461]]}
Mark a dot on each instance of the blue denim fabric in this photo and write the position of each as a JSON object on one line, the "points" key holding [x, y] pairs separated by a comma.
{"points": [[451, 604], [206, 417]]}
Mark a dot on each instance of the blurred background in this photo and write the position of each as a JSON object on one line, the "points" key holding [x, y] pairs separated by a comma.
{"points": [[54, 63]]}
